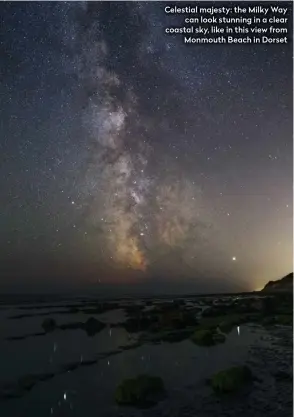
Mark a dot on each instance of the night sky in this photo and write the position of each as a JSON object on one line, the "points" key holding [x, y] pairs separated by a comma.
{"points": [[131, 159]]}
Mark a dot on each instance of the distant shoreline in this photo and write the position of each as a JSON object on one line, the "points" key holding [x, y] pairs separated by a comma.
{"points": [[10, 298]]}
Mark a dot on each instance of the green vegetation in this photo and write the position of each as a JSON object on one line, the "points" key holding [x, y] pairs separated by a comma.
{"points": [[206, 337], [231, 379], [203, 337]]}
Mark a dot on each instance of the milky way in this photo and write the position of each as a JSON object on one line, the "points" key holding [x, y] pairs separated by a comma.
{"points": [[120, 191], [114, 175]]}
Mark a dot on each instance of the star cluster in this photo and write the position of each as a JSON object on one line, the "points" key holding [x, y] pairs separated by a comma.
{"points": [[130, 157]]}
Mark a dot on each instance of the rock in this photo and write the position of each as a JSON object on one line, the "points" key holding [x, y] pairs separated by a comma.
{"points": [[208, 335], [144, 390], [49, 325], [231, 379], [203, 337]]}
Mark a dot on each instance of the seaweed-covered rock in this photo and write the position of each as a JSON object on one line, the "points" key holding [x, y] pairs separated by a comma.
{"points": [[231, 379], [203, 337], [144, 390], [207, 337], [49, 325]]}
